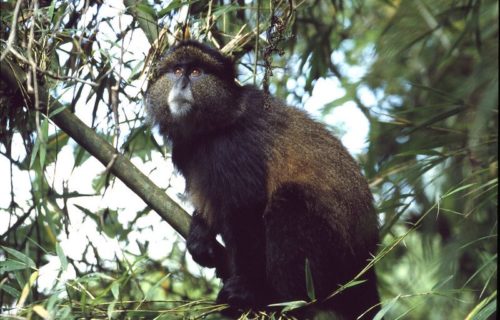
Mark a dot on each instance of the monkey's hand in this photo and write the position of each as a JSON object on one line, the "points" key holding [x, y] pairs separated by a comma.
{"points": [[241, 294], [201, 243]]}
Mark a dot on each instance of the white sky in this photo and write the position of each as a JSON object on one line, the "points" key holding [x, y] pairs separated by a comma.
{"points": [[120, 197]]}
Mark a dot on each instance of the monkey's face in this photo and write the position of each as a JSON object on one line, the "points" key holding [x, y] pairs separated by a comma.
{"points": [[180, 98], [194, 90]]}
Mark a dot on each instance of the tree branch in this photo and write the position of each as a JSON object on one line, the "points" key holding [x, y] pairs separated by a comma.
{"points": [[122, 168]]}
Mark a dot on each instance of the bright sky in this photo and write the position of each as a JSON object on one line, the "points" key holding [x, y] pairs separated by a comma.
{"points": [[120, 197]]}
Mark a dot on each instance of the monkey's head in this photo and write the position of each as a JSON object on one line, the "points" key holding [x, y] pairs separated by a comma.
{"points": [[193, 91]]}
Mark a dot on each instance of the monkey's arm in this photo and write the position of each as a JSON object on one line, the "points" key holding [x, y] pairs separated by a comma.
{"points": [[204, 248]]}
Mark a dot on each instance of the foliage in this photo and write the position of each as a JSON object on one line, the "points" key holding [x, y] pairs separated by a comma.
{"points": [[424, 74]]}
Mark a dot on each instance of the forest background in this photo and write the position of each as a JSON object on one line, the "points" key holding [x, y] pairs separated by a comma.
{"points": [[416, 79]]}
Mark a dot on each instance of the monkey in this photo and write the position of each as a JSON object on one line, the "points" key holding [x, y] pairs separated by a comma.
{"points": [[276, 185]]}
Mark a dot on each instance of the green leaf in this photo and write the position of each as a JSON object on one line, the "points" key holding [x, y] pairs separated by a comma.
{"points": [[110, 224], [95, 276], [353, 283], [50, 12], [100, 181], [486, 312], [87, 212], [83, 302], [175, 4], [486, 263], [135, 73], [335, 103], [44, 131], [424, 152], [51, 148], [151, 291], [48, 217], [115, 289], [34, 152], [11, 265], [111, 310], [290, 305], [484, 309], [140, 142], [62, 257], [10, 290], [442, 282], [56, 111], [146, 9], [458, 190], [81, 155], [439, 117], [386, 308], [309, 282], [294, 305], [220, 11], [21, 257]]}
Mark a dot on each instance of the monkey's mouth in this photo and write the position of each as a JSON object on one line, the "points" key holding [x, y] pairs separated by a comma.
{"points": [[180, 107], [182, 101]]}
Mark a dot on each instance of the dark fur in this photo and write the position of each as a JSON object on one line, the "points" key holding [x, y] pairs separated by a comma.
{"points": [[277, 186]]}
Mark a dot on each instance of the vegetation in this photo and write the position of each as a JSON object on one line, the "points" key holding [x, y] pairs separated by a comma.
{"points": [[423, 73]]}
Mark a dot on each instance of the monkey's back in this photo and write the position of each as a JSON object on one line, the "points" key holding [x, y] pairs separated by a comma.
{"points": [[319, 197], [305, 153]]}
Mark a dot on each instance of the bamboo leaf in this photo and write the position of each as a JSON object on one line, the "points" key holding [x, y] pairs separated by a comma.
{"points": [[42, 312], [21, 257], [62, 257], [115, 289], [11, 291], [380, 315], [484, 309], [44, 131], [34, 152], [11, 265], [452, 192], [290, 305], [486, 312], [26, 289], [309, 281], [353, 283], [50, 12]]}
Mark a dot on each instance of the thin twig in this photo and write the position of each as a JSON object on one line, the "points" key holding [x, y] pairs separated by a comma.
{"points": [[12, 35]]}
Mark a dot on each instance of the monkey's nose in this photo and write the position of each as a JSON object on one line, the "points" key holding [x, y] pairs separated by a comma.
{"points": [[183, 82]]}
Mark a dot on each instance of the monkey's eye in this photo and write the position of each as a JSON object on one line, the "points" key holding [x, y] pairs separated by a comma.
{"points": [[195, 72], [178, 72]]}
